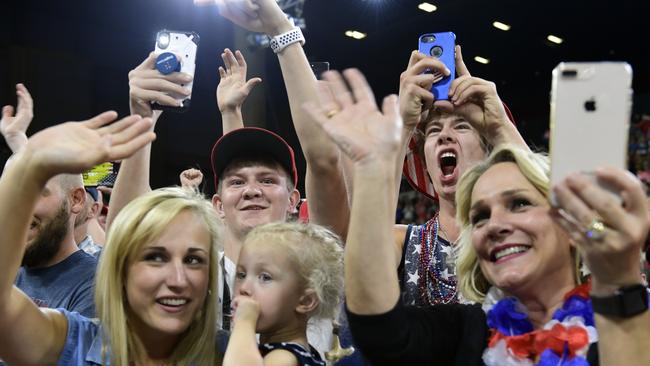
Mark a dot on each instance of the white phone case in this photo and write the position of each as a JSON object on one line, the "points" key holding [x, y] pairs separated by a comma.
{"points": [[590, 116], [185, 45]]}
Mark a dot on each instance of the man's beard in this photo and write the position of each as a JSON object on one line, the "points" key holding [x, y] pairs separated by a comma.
{"points": [[48, 240]]}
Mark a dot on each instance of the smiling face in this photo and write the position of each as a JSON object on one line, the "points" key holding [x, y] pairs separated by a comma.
{"points": [[451, 147], [254, 194], [517, 242], [167, 281], [265, 274]]}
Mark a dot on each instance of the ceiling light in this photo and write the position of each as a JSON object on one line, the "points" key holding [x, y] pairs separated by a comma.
{"points": [[481, 60], [554, 39], [355, 34], [502, 26], [429, 8]]}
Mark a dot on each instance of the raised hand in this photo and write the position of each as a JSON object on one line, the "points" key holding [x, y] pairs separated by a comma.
{"points": [[415, 97], [233, 88], [14, 127], [353, 121], [475, 99], [611, 251], [147, 85], [264, 16], [74, 147], [191, 178]]}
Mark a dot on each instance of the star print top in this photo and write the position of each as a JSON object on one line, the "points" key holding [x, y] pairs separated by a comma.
{"points": [[440, 275], [305, 357]]}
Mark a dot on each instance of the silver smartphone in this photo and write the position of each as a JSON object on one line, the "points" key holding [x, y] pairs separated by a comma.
{"points": [[590, 116]]}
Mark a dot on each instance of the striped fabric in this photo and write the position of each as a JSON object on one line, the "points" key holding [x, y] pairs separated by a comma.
{"points": [[415, 170]]}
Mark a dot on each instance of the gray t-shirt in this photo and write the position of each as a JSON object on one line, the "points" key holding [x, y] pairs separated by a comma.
{"points": [[68, 284]]}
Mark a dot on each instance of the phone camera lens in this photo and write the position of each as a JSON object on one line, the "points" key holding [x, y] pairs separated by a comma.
{"points": [[163, 40], [428, 39], [436, 51], [569, 73]]}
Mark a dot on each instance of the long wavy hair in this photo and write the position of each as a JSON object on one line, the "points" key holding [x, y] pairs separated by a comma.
{"points": [[140, 222]]}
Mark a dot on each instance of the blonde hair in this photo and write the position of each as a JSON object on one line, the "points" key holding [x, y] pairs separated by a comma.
{"points": [[535, 167], [317, 255], [140, 222]]}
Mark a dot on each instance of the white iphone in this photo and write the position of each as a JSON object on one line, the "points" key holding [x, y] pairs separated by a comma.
{"points": [[184, 45], [590, 117]]}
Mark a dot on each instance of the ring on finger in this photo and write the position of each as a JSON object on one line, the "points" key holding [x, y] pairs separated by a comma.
{"points": [[332, 113], [595, 230]]}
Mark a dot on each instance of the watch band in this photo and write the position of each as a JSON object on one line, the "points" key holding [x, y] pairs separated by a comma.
{"points": [[279, 42], [627, 302]]}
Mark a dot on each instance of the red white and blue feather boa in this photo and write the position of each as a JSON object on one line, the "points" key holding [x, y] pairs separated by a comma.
{"points": [[564, 340]]}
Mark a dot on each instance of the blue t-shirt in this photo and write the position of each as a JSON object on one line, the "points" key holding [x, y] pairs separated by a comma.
{"points": [[83, 344], [68, 284]]}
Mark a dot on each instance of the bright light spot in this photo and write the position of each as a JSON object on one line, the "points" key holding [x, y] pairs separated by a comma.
{"points": [[481, 60], [429, 8], [502, 26], [354, 34], [554, 39], [204, 2]]}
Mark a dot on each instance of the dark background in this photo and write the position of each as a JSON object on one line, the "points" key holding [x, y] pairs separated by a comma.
{"points": [[74, 56]]}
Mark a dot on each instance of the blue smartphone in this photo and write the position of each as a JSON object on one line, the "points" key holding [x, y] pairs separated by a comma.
{"points": [[441, 46]]}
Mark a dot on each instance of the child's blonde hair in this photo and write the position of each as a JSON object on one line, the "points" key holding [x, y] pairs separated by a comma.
{"points": [[316, 253]]}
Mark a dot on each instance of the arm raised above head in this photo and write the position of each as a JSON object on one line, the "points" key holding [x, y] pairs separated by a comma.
{"points": [[29, 335], [326, 190], [370, 138], [14, 127]]}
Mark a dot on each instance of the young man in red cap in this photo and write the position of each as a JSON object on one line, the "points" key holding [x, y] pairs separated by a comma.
{"points": [[254, 171], [255, 178]]}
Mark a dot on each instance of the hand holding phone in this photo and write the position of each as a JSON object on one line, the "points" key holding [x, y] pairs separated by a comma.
{"points": [[184, 46], [440, 45]]}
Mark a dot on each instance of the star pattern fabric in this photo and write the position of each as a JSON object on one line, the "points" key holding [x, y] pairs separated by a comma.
{"points": [[441, 261]]}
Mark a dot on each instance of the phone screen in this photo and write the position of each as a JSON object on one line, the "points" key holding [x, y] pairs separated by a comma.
{"points": [[319, 68]]}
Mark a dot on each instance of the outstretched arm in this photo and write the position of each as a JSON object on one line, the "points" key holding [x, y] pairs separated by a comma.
{"points": [[370, 138], [613, 259], [29, 335], [146, 85], [233, 89], [325, 186], [14, 127]]}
